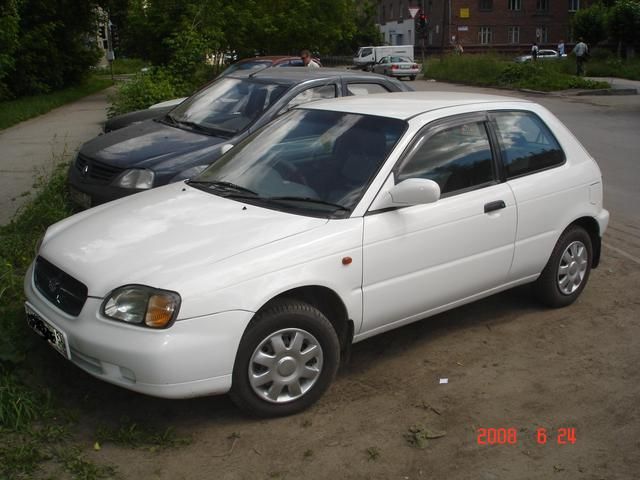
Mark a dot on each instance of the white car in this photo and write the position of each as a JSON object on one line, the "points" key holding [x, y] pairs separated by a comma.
{"points": [[338, 221]]}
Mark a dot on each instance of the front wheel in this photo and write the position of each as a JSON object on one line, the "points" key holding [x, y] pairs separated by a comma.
{"points": [[567, 271], [287, 358]]}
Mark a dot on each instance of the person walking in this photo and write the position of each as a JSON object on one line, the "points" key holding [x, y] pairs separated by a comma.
{"points": [[561, 47], [534, 51], [305, 56], [581, 51]]}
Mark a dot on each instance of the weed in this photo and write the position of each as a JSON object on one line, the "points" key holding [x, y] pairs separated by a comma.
{"points": [[134, 435], [306, 423], [20, 459], [19, 405], [418, 435], [372, 453], [73, 461]]}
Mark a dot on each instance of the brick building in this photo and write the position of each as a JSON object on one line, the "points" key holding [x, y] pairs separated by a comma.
{"points": [[501, 25]]}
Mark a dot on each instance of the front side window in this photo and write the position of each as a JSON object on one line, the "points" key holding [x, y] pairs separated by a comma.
{"points": [[227, 107], [307, 161], [485, 35], [457, 158], [527, 143]]}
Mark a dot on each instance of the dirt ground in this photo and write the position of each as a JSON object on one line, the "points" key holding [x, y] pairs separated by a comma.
{"points": [[509, 362]]}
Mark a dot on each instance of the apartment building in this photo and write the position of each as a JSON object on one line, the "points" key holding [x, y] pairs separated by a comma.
{"points": [[501, 25]]}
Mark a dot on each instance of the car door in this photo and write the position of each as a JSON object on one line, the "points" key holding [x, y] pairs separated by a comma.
{"points": [[422, 258], [380, 66]]}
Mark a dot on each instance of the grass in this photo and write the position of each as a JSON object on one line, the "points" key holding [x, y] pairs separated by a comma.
{"points": [[21, 109], [123, 66], [491, 70], [134, 435]]}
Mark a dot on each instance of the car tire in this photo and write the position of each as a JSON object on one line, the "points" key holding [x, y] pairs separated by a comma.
{"points": [[412, 77], [287, 358], [567, 271]]}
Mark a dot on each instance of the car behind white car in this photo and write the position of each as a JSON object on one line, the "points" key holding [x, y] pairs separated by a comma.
{"points": [[338, 221]]}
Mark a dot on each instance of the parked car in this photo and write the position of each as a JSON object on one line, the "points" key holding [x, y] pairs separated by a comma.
{"points": [[340, 220], [253, 64], [366, 57], [185, 141], [397, 67], [544, 54]]}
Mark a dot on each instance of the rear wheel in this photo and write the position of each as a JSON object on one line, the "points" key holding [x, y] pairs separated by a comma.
{"points": [[567, 271], [287, 358], [412, 77]]}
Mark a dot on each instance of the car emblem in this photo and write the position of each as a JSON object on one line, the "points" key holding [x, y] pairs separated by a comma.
{"points": [[85, 170]]}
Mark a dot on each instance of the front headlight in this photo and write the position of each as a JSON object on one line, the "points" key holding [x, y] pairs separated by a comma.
{"points": [[135, 178], [141, 305]]}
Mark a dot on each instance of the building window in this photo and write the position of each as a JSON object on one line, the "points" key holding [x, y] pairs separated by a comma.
{"points": [[401, 12], [574, 5], [542, 34], [513, 34], [542, 6], [515, 4], [391, 12], [486, 5], [484, 35], [383, 15]]}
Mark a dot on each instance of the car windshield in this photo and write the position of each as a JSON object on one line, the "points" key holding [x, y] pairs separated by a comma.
{"points": [[316, 162], [400, 59], [227, 107]]}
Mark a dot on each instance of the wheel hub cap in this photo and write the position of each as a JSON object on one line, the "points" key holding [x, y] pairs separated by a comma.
{"points": [[285, 365], [572, 267]]}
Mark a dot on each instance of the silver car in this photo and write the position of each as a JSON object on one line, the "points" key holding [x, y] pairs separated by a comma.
{"points": [[394, 66], [543, 54]]}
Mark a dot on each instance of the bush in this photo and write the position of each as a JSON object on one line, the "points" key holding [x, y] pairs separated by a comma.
{"points": [[147, 88], [492, 70]]}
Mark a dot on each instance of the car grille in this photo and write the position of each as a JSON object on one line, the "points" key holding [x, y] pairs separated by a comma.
{"points": [[60, 288], [99, 171]]}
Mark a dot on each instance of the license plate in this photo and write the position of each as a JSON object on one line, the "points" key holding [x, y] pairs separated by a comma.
{"points": [[80, 198], [405, 67], [53, 336]]}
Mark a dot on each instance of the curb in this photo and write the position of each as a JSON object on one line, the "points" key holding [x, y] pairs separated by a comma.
{"points": [[608, 91]]}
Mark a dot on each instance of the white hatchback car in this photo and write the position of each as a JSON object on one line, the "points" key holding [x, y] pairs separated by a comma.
{"points": [[338, 221]]}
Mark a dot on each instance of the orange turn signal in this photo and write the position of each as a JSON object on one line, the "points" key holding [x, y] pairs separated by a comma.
{"points": [[159, 311]]}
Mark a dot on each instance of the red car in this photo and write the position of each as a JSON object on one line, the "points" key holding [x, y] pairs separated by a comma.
{"points": [[258, 63]]}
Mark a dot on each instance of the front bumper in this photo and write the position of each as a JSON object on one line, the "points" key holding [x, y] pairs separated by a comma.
{"points": [[194, 357]]}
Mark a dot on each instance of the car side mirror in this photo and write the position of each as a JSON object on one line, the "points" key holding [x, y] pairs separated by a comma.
{"points": [[413, 191]]}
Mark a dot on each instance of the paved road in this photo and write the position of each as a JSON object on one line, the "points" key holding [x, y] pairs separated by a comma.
{"points": [[35, 146]]}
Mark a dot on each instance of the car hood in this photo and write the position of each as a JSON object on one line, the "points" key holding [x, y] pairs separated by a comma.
{"points": [[156, 237], [146, 145]]}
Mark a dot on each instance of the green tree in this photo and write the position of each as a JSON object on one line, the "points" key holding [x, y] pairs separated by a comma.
{"points": [[9, 28], [591, 24], [624, 24]]}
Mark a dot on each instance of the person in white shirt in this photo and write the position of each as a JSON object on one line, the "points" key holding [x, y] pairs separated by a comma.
{"points": [[561, 48], [534, 51], [581, 51], [305, 56]]}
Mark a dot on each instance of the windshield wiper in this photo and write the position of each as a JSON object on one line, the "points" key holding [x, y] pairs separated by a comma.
{"points": [[218, 132], [226, 187], [317, 201]]}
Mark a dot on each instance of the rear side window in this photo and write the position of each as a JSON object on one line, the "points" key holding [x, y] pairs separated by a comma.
{"points": [[457, 158], [527, 143], [365, 88]]}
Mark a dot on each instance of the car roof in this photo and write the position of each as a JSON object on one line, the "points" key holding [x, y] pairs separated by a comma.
{"points": [[268, 59], [300, 74], [404, 105]]}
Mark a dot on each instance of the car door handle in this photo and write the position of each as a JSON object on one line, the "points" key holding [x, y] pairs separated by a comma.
{"points": [[492, 206]]}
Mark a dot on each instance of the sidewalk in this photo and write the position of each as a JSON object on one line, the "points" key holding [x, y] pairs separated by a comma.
{"points": [[34, 146]]}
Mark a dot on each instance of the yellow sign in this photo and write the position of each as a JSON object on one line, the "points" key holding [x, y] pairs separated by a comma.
{"points": [[464, 12]]}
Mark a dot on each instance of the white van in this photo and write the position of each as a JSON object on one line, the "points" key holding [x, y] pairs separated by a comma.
{"points": [[367, 56]]}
